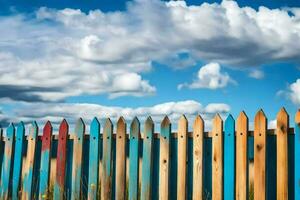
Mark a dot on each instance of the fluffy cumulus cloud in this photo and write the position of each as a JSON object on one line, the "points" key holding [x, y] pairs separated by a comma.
{"points": [[256, 74], [209, 76], [54, 54], [292, 92]]}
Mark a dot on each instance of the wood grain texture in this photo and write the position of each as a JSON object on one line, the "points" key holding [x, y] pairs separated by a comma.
{"points": [[94, 159], [260, 128], [182, 158], [134, 159], [6, 163], [106, 180], [229, 158], [121, 159], [217, 156], [297, 156], [198, 137], [146, 188], [282, 154], [59, 185], [45, 161], [30, 162], [18, 160], [241, 185], [164, 159], [77, 159]]}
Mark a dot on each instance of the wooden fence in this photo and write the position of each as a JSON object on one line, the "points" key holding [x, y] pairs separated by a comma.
{"points": [[148, 165]]}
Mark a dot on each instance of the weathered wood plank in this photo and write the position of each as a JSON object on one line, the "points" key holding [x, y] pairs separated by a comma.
{"points": [[121, 159], [6, 163], [18, 160], [59, 185], [45, 161], [229, 158], [182, 158], [241, 186], [282, 154], [29, 162], [106, 181], [198, 137], [164, 159], [134, 159], [297, 156], [260, 129], [146, 189], [217, 156], [94, 159], [77, 159]]}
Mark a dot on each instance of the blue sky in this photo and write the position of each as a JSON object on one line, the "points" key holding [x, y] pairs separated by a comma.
{"points": [[73, 58]]}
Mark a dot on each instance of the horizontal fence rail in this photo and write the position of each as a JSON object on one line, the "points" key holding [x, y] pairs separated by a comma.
{"points": [[229, 162]]}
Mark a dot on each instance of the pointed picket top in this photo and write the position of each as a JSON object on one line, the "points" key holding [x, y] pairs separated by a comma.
{"points": [[260, 123], [121, 127], [33, 130], [20, 130], [63, 128], [260, 114], [10, 131], [282, 119], [297, 117], [47, 127], [95, 127], [165, 122], [108, 128], [242, 116], [108, 123], [183, 122], [135, 128], [217, 118], [198, 123], [79, 128], [149, 127], [229, 119], [121, 121]]}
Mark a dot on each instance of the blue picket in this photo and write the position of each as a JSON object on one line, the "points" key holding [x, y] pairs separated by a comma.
{"points": [[229, 158], [134, 159], [94, 159], [18, 158], [6, 163], [147, 160], [297, 156]]}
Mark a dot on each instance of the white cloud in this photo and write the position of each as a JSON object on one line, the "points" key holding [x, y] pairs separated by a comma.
{"points": [[56, 54], [293, 92], [209, 76], [256, 74]]}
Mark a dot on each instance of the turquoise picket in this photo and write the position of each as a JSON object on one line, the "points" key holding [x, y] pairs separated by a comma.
{"points": [[106, 189], [94, 159], [77, 159], [297, 156], [29, 164], [6, 163], [45, 161], [134, 159], [147, 160], [229, 158], [18, 158]]}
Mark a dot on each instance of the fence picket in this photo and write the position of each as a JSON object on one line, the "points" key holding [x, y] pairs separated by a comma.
{"points": [[217, 162], [242, 157], [6, 163], [59, 185], [260, 141], [296, 156], [121, 159], [94, 159], [18, 160], [182, 157], [198, 136], [147, 160], [45, 161], [164, 159], [229, 158], [134, 159], [282, 154], [30, 162], [106, 181]]}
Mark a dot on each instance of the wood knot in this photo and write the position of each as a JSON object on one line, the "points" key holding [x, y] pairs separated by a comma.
{"points": [[259, 147]]}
